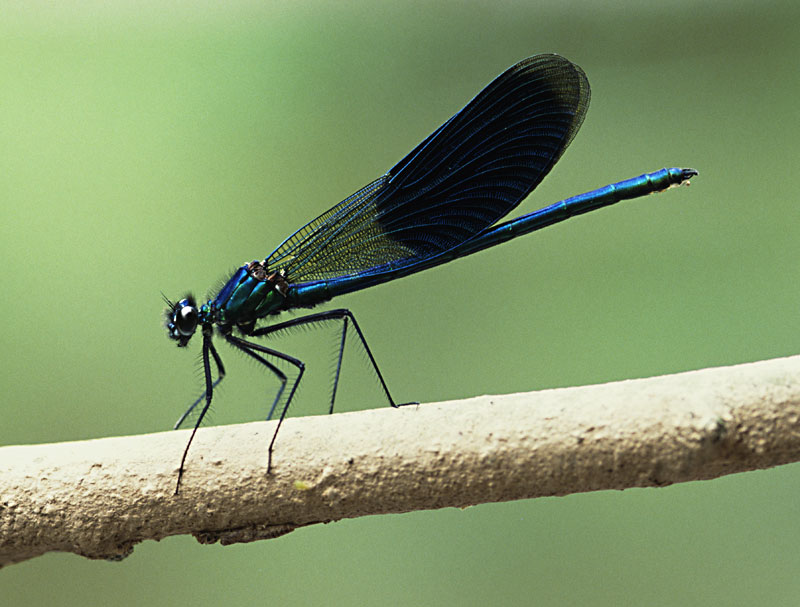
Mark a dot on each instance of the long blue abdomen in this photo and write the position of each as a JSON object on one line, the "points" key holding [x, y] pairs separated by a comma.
{"points": [[312, 293]]}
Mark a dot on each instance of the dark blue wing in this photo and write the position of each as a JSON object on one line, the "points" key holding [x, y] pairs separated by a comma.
{"points": [[464, 177]]}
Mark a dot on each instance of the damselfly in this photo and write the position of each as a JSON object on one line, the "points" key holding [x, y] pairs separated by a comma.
{"points": [[439, 203]]}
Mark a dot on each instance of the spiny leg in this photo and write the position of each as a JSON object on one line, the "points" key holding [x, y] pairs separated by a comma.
{"points": [[207, 347], [321, 317], [247, 347], [338, 364], [220, 376]]}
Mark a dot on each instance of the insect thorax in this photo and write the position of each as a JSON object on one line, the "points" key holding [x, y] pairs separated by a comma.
{"points": [[254, 291]]}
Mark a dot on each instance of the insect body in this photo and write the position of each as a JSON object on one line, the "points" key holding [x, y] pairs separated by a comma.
{"points": [[441, 202]]}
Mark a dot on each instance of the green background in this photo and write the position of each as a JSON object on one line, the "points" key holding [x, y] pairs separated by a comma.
{"points": [[150, 148]]}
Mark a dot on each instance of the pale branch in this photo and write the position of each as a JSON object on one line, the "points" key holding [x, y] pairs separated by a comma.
{"points": [[98, 498]]}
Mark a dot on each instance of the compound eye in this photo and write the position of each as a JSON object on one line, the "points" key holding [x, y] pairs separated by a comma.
{"points": [[186, 319]]}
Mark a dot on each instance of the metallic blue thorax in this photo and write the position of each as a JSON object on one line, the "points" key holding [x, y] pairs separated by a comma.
{"points": [[252, 292]]}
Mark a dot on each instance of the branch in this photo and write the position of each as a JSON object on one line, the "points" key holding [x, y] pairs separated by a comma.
{"points": [[99, 498]]}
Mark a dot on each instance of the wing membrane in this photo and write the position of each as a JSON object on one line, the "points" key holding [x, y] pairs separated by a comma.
{"points": [[465, 176]]}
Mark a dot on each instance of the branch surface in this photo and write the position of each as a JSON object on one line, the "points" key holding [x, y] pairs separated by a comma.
{"points": [[99, 498]]}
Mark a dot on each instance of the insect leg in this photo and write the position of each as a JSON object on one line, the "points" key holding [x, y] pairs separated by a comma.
{"points": [[193, 406], [345, 316], [251, 350], [208, 346]]}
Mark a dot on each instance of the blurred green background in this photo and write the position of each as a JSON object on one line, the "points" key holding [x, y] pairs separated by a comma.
{"points": [[150, 147]]}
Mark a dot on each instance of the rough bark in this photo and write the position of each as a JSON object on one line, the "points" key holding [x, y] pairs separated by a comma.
{"points": [[99, 498]]}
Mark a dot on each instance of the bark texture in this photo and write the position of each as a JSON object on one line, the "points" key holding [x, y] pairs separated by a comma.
{"points": [[99, 498]]}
